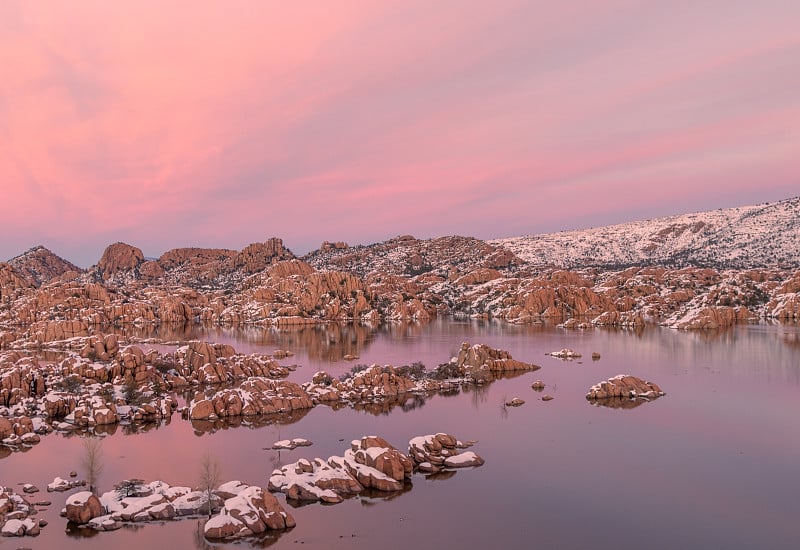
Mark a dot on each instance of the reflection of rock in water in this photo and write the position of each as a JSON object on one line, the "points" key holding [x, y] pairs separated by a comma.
{"points": [[441, 475], [620, 402], [253, 422], [76, 531], [407, 402], [623, 392], [323, 342], [328, 342], [370, 496]]}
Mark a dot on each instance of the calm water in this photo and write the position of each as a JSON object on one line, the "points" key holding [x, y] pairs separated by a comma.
{"points": [[711, 465]]}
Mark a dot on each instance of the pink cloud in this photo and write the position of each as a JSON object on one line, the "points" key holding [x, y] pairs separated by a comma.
{"points": [[206, 125]]}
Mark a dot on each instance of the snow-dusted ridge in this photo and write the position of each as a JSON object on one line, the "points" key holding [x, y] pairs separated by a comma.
{"points": [[764, 235]]}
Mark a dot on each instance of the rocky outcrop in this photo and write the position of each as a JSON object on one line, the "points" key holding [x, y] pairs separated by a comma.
{"points": [[82, 507], [12, 282], [624, 387], [432, 453], [15, 515], [251, 512], [258, 256], [248, 510], [407, 256], [40, 266], [315, 480], [480, 358], [711, 318], [119, 258], [370, 463], [255, 396]]}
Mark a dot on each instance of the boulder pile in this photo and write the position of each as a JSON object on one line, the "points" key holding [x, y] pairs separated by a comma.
{"points": [[370, 463], [624, 386]]}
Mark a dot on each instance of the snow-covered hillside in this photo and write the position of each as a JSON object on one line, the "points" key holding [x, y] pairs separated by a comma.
{"points": [[765, 235]]}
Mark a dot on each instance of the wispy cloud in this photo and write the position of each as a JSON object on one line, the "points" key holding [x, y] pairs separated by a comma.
{"points": [[205, 124]]}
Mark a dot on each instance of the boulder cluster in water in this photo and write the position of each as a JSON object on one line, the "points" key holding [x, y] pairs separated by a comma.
{"points": [[235, 509], [369, 463], [106, 383]]}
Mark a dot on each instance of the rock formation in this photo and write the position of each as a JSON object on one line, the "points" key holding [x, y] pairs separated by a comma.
{"points": [[15, 515], [40, 266], [370, 463], [117, 258], [624, 387]]}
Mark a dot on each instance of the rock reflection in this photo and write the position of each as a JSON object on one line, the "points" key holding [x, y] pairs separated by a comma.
{"points": [[371, 497], [441, 475], [264, 540], [76, 531], [323, 342], [621, 402], [202, 427]]}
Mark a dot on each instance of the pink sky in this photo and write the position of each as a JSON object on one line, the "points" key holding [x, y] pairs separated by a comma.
{"points": [[221, 124]]}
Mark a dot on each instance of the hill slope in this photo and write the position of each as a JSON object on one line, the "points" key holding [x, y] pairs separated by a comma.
{"points": [[765, 235], [39, 265]]}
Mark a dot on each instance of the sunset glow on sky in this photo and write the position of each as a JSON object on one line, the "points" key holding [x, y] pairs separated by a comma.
{"points": [[167, 124]]}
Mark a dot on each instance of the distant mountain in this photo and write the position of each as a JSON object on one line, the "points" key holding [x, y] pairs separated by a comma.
{"points": [[407, 256], [123, 263], [39, 265], [764, 235]]}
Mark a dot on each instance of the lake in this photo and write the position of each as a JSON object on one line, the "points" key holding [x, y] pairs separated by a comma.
{"points": [[713, 464]]}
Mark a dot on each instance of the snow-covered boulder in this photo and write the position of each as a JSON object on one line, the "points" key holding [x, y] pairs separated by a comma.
{"points": [[82, 507], [250, 512]]}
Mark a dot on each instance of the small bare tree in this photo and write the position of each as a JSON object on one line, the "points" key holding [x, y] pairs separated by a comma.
{"points": [[209, 478], [92, 461]]}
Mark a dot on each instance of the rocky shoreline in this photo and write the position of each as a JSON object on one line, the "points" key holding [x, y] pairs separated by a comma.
{"points": [[107, 384], [45, 299], [236, 510]]}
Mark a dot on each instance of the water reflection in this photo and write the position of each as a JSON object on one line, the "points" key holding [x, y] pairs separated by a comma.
{"points": [[441, 475], [620, 402], [328, 342], [203, 427]]}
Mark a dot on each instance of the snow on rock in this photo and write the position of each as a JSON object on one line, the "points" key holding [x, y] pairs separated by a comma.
{"points": [[252, 511], [565, 353], [431, 453], [623, 391], [230, 489], [61, 485], [247, 510], [315, 480], [463, 460], [82, 507], [14, 515], [291, 444], [255, 396], [371, 462], [764, 235]]}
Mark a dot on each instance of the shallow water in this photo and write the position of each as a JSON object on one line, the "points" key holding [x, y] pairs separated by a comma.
{"points": [[713, 464]]}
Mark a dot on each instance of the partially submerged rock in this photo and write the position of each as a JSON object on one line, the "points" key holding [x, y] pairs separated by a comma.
{"points": [[82, 507], [565, 353], [624, 387], [370, 463], [315, 480], [60, 485], [251, 512], [14, 515], [432, 453], [291, 444], [515, 402], [246, 510]]}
